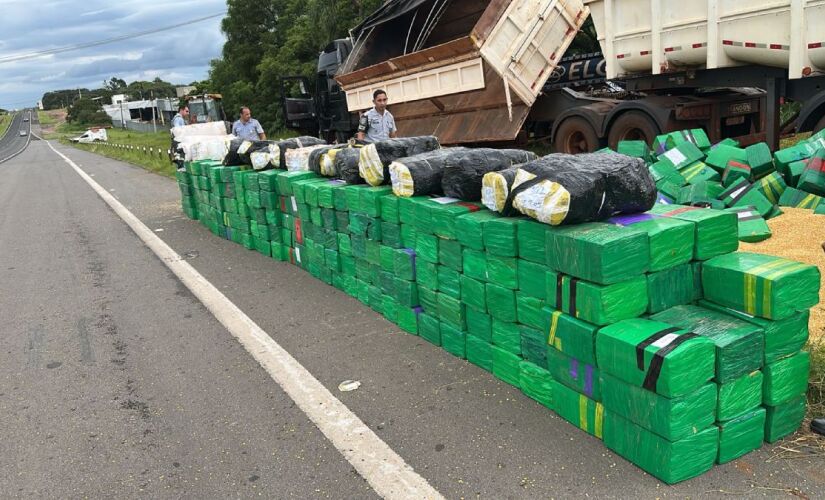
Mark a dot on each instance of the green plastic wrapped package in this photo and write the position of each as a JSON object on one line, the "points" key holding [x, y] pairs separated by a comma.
{"points": [[671, 240], [812, 179], [664, 171], [742, 193], [507, 336], [668, 461], [536, 383], [529, 311], [670, 418], [783, 420], [503, 271], [760, 159], [635, 149], [473, 293], [785, 379], [449, 254], [760, 285], [657, 356], [406, 208], [389, 209], [741, 435], [734, 171], [772, 186], [571, 336], [387, 258], [506, 366], [739, 345], [479, 324], [752, 227], [669, 189], [578, 409], [739, 396], [480, 353], [408, 319], [794, 171], [682, 155], [532, 240], [501, 303], [429, 300], [719, 156], [454, 340], [369, 199], [572, 373], [782, 338], [449, 282], [408, 235], [671, 287], [598, 304], [532, 280], [716, 231], [426, 247], [475, 264], [389, 308], [699, 172], [426, 274], [696, 136], [662, 143], [501, 236], [403, 262], [452, 311], [533, 345], [701, 192], [598, 252], [391, 234], [429, 328], [796, 198], [444, 216], [469, 228]]}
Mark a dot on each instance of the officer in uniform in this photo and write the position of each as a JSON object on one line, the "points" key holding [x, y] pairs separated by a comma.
{"points": [[377, 124]]}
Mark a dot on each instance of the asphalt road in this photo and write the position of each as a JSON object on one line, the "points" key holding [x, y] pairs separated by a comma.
{"points": [[12, 142], [116, 381]]}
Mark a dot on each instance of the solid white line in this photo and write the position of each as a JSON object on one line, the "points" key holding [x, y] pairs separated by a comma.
{"points": [[375, 461]]}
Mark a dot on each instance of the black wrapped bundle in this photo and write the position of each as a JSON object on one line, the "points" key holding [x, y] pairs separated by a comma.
{"points": [[373, 165], [346, 165], [248, 147], [421, 174], [232, 158], [571, 189], [316, 157], [295, 143], [462, 178]]}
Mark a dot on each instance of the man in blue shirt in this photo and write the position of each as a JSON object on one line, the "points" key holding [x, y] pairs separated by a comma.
{"points": [[377, 124], [247, 127], [179, 120]]}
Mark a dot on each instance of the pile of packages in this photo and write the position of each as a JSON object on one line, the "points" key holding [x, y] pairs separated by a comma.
{"points": [[647, 331], [750, 182]]}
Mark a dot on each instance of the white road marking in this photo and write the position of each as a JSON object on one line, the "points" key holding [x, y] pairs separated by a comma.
{"points": [[386, 472]]}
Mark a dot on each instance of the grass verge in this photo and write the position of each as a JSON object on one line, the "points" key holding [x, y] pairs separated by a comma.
{"points": [[5, 121], [157, 162], [45, 118]]}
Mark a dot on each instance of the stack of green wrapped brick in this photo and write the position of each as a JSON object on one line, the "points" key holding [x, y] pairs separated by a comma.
{"points": [[646, 331]]}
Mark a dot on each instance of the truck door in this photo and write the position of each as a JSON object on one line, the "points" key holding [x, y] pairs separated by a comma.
{"points": [[298, 105]]}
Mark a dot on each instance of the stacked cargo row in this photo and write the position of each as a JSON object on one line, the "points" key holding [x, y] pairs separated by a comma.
{"points": [[647, 331]]}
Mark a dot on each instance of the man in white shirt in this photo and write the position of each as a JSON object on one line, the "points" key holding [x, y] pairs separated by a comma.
{"points": [[377, 124], [179, 120], [247, 127]]}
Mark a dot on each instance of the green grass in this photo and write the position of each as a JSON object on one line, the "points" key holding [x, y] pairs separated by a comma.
{"points": [[5, 121], [45, 119], [154, 162]]}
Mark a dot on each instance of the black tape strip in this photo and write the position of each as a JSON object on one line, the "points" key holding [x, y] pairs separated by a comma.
{"points": [[559, 286], [655, 368], [742, 194], [573, 283], [729, 191], [511, 197], [750, 217], [641, 346]]}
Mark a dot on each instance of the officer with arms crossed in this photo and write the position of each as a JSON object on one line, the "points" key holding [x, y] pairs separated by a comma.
{"points": [[378, 123], [247, 127]]}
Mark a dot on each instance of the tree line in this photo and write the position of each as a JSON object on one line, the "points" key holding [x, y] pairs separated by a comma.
{"points": [[135, 90]]}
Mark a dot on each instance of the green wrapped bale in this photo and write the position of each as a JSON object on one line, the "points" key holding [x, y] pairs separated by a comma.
{"points": [[792, 197], [671, 241], [696, 136], [760, 285], [503, 271], [741, 435], [662, 171], [572, 373], [536, 383], [449, 282], [668, 461], [369, 199], [532, 280], [784, 419], [670, 418], [408, 319], [739, 396], [480, 353], [533, 345], [783, 338], [760, 159], [794, 171], [452, 311], [683, 362], [741, 193], [635, 149], [403, 262], [594, 303], [532, 240], [716, 231], [426, 247], [786, 379], [479, 324], [406, 208], [474, 264], [812, 179], [671, 287], [389, 308], [454, 340], [469, 228], [682, 155], [670, 190], [598, 252], [506, 366], [426, 274], [734, 171], [739, 345], [389, 209], [507, 336], [529, 311], [752, 227], [575, 338], [501, 303], [699, 193], [473, 293], [450, 254], [429, 328], [578, 409], [501, 236], [699, 172], [445, 213], [719, 156]]}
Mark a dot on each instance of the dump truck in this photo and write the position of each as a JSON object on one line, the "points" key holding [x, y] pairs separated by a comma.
{"points": [[496, 71]]}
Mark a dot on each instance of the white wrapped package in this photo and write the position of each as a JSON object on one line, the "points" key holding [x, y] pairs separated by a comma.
{"points": [[199, 130], [298, 159], [205, 147]]}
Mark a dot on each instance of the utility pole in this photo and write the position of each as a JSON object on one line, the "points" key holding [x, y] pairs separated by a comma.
{"points": [[122, 119], [154, 104]]}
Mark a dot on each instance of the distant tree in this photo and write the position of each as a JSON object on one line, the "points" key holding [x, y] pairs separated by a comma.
{"points": [[3, 111], [87, 112], [114, 84]]}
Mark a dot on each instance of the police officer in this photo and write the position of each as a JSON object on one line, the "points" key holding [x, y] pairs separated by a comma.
{"points": [[377, 124]]}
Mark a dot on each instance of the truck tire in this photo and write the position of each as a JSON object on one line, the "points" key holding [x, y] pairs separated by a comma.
{"points": [[820, 124], [575, 135], [632, 126]]}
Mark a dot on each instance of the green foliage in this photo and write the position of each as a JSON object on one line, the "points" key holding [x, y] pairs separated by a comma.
{"points": [[135, 90], [267, 40], [87, 112]]}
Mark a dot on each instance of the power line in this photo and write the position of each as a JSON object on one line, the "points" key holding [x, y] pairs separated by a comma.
{"points": [[68, 48]]}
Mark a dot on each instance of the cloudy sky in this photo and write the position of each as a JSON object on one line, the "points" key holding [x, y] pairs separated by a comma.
{"points": [[179, 56]]}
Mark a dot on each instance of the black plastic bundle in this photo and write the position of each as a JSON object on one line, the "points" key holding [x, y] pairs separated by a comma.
{"points": [[462, 177], [248, 147], [232, 158], [346, 165], [572, 189], [316, 156], [421, 174], [376, 157], [296, 143]]}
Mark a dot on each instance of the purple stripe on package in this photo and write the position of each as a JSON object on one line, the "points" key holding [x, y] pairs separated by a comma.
{"points": [[411, 253], [626, 220], [588, 380], [574, 369]]}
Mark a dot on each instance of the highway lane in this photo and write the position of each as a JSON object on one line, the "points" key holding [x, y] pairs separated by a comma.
{"points": [[12, 143]]}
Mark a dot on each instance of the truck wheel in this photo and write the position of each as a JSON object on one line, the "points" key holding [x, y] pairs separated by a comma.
{"points": [[574, 136], [632, 126], [820, 125]]}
